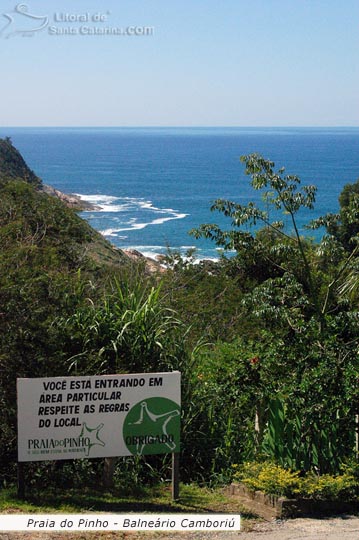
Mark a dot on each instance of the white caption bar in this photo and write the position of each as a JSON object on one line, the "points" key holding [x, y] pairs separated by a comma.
{"points": [[120, 522]]}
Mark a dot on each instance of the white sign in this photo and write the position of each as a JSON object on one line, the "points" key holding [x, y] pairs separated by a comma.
{"points": [[98, 416]]}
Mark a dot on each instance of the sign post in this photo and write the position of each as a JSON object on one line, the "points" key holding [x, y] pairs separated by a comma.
{"points": [[175, 476], [20, 481]]}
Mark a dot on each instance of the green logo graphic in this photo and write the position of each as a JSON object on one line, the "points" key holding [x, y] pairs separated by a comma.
{"points": [[92, 437], [152, 426]]}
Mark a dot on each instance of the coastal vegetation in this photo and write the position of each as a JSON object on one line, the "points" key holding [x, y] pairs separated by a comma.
{"points": [[266, 338]]}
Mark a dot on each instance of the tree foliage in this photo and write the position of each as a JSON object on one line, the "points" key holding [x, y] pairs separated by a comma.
{"points": [[344, 226], [13, 166], [306, 338]]}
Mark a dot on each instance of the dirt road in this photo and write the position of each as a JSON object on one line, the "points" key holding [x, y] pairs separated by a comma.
{"points": [[340, 528]]}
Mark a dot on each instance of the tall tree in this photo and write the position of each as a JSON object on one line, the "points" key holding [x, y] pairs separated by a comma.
{"points": [[306, 336]]}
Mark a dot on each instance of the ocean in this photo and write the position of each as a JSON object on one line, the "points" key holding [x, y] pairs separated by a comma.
{"points": [[155, 184]]}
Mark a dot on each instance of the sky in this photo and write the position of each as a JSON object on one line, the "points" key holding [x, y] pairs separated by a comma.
{"points": [[185, 63]]}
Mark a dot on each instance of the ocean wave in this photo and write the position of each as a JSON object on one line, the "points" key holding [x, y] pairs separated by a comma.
{"points": [[159, 221], [111, 204], [105, 203], [97, 199], [114, 207], [111, 232]]}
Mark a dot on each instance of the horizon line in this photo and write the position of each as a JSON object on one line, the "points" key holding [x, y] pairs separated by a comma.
{"points": [[183, 127]]}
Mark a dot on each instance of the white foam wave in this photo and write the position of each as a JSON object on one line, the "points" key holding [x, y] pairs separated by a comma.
{"points": [[145, 204], [159, 221], [114, 207], [97, 199], [105, 204], [108, 203], [110, 232]]}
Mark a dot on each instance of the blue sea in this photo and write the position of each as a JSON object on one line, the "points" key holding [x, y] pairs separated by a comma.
{"points": [[153, 185]]}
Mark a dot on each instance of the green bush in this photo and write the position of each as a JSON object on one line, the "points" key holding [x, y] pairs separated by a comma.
{"points": [[275, 480], [269, 478]]}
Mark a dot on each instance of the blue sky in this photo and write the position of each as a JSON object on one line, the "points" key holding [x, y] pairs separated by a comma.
{"points": [[206, 63]]}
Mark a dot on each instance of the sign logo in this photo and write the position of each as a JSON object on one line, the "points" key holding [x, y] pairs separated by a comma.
{"points": [[152, 426], [92, 436], [20, 21]]}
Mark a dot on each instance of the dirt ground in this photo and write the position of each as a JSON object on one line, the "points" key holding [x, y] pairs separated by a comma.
{"points": [[338, 528]]}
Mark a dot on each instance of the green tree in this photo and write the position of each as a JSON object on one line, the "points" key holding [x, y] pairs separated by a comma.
{"points": [[306, 337], [344, 226]]}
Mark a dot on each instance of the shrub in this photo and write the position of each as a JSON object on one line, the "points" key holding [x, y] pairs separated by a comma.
{"points": [[269, 478], [275, 480]]}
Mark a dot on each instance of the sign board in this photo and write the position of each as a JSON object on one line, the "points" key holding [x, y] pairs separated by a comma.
{"points": [[98, 416]]}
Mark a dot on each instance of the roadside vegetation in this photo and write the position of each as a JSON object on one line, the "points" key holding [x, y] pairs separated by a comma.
{"points": [[138, 499], [266, 338], [273, 479]]}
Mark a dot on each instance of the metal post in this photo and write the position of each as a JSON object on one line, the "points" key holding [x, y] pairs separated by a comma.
{"points": [[175, 476]]}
